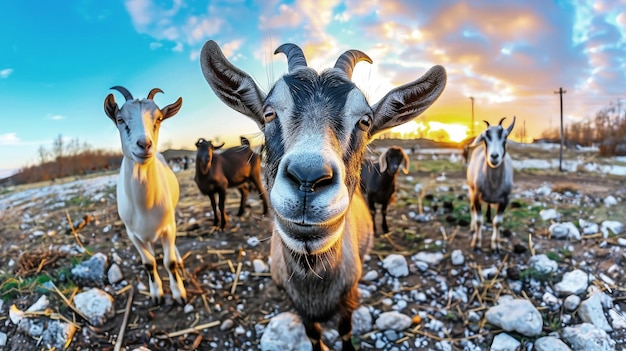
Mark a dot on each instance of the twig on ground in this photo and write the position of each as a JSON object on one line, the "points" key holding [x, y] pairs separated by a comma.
{"points": [[120, 335]]}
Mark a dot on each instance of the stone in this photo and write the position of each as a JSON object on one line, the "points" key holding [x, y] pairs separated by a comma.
{"points": [[550, 343], [260, 266], [115, 274], [3, 339], [432, 258], [361, 321], [590, 311], [370, 276], [571, 303], [457, 258], [96, 305], [574, 282], [587, 337], [516, 315], [504, 342], [393, 320], [285, 332], [549, 214], [396, 265], [91, 272], [618, 321], [611, 227], [56, 334], [542, 264], [610, 201], [565, 230]]}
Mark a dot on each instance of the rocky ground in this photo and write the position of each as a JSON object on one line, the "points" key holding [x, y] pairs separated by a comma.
{"points": [[558, 283]]}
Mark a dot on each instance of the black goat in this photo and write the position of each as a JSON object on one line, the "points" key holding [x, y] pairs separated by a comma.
{"points": [[378, 181], [234, 167]]}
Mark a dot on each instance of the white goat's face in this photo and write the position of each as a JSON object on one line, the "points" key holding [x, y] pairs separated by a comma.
{"points": [[316, 127], [494, 138], [138, 122]]}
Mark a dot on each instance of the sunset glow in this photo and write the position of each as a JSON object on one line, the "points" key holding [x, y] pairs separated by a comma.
{"points": [[438, 131]]}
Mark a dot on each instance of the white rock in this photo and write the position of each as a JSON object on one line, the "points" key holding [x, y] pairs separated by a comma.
{"points": [[396, 265], [432, 258], [544, 190], [188, 308], [543, 264], [393, 320], [550, 343], [457, 257], [574, 282], [115, 274], [96, 305], [550, 299], [260, 266], [40, 305], [611, 227], [571, 303], [588, 228], [253, 241], [587, 337], [610, 201], [57, 334], [516, 315], [285, 332], [618, 321], [565, 230], [504, 342], [590, 311], [3, 339], [370, 276], [621, 241], [361, 321], [549, 214], [15, 314]]}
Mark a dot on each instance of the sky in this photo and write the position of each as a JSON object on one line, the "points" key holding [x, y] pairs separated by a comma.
{"points": [[57, 63]]}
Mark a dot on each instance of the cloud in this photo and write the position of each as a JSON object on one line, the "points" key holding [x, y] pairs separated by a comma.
{"points": [[56, 117], [5, 73], [9, 139]]}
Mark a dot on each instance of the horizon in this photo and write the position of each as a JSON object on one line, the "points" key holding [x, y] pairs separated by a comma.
{"points": [[509, 56]]}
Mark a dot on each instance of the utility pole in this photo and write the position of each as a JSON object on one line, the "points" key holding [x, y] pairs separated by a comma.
{"points": [[524, 132], [561, 92], [472, 129]]}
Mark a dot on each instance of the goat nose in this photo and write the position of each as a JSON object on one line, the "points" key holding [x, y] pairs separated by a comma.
{"points": [[494, 156], [145, 144], [309, 178]]}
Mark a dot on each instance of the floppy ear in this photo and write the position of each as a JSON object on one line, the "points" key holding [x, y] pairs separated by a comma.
{"points": [[382, 160], [405, 163], [231, 85], [406, 102], [479, 139]]}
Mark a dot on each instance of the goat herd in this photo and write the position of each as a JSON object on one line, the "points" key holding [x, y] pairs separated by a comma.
{"points": [[316, 128]]}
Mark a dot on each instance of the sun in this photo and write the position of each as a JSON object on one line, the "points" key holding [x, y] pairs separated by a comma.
{"points": [[456, 132], [433, 130]]}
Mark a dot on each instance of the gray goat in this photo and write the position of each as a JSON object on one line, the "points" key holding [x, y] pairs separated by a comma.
{"points": [[316, 128], [378, 181], [233, 168], [490, 179]]}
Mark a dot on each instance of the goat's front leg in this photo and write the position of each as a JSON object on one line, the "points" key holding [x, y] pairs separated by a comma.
{"points": [[243, 191], [497, 223], [384, 213], [149, 263], [371, 203], [222, 205], [172, 263], [477, 222], [214, 207], [314, 333], [349, 304]]}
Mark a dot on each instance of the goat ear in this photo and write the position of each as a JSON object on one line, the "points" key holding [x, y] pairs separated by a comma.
{"points": [[510, 128], [405, 163], [231, 85], [406, 102], [479, 139], [172, 109], [382, 160], [218, 147], [110, 107]]}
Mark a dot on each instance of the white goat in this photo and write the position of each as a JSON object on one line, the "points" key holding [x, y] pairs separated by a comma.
{"points": [[316, 128], [147, 189], [490, 179]]}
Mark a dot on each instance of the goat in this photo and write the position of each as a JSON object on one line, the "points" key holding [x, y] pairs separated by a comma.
{"points": [[147, 189], [316, 128], [378, 181], [233, 168], [490, 179]]}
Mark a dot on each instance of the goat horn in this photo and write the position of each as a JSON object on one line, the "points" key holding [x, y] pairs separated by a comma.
{"points": [[487, 123], [349, 59], [124, 91], [154, 91], [502, 120], [295, 56]]}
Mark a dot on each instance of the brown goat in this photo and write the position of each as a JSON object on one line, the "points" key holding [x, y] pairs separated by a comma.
{"points": [[233, 168]]}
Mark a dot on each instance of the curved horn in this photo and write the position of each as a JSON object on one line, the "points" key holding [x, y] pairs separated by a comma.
{"points": [[153, 92], [349, 59], [487, 123], [295, 56], [502, 120], [124, 91]]}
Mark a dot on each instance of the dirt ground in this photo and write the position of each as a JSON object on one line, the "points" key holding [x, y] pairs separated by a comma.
{"points": [[212, 259]]}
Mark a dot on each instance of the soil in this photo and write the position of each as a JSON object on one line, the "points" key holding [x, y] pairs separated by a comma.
{"points": [[213, 257]]}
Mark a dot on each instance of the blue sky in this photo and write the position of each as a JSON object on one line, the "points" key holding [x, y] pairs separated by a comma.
{"points": [[57, 63]]}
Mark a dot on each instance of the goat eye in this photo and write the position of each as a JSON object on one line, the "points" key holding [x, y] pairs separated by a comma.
{"points": [[269, 114], [365, 123], [120, 120]]}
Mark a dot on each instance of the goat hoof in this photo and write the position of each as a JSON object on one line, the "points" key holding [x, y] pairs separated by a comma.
{"points": [[157, 300], [181, 301]]}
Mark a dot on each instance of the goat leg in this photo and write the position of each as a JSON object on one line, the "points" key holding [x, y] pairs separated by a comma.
{"points": [[384, 213], [477, 224], [222, 206], [243, 191], [314, 333], [149, 264], [497, 223], [214, 207]]}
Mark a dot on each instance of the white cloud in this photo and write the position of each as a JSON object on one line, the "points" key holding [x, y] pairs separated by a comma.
{"points": [[56, 117], [178, 47], [5, 73], [155, 45], [9, 139]]}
